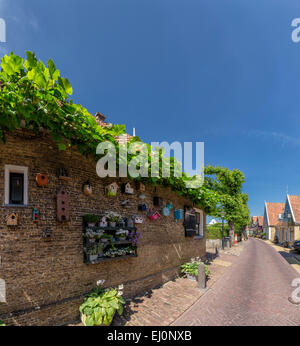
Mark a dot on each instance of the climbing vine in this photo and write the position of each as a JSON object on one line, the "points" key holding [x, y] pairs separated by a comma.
{"points": [[36, 96]]}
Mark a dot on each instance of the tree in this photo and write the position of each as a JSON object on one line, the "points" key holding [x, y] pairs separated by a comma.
{"points": [[228, 184]]}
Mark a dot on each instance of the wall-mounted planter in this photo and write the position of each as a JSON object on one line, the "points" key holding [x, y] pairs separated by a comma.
{"points": [[41, 179]]}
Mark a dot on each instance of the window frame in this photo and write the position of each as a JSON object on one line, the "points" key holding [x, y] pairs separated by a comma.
{"points": [[198, 232], [15, 169]]}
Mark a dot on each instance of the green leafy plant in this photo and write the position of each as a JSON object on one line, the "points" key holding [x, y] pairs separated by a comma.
{"points": [[2, 324], [91, 218], [94, 250], [191, 268], [100, 306]]}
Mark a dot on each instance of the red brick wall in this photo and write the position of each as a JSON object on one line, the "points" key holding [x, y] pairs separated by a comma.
{"points": [[50, 275]]}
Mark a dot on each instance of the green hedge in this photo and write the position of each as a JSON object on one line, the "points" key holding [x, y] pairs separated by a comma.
{"points": [[215, 231]]}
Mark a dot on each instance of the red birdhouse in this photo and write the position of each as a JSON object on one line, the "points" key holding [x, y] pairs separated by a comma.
{"points": [[63, 209]]}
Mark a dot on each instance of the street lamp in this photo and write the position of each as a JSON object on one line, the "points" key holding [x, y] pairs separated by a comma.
{"points": [[222, 216]]}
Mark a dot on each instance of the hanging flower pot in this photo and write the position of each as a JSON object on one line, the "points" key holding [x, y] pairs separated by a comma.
{"points": [[169, 205], [142, 207], [41, 180]]}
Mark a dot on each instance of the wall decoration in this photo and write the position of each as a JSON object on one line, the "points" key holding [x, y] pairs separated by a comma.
{"points": [[111, 190], [140, 187], [125, 203], [166, 211], [157, 201], [126, 188], [138, 219], [178, 214], [129, 222], [62, 202], [12, 219], [153, 215], [35, 214], [142, 207], [46, 233], [63, 174], [169, 205], [87, 188], [142, 196], [41, 179], [103, 222]]}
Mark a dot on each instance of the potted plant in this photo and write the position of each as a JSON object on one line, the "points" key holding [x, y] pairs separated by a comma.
{"points": [[100, 306], [121, 234], [94, 252], [113, 219], [91, 219]]}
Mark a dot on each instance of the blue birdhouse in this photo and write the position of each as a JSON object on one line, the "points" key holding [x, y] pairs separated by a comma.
{"points": [[178, 214]]}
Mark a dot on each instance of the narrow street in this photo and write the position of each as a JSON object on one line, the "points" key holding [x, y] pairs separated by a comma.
{"points": [[254, 291]]}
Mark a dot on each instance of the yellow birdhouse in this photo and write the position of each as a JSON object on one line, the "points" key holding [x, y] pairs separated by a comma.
{"points": [[111, 190]]}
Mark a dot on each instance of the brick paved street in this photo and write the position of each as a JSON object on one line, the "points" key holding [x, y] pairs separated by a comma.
{"points": [[162, 305], [253, 291]]}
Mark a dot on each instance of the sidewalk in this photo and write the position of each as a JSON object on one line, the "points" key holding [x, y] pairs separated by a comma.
{"points": [[288, 254], [163, 305]]}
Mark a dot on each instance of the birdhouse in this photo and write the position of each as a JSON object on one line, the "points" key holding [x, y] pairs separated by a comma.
{"points": [[178, 214], [41, 180], [12, 219], [138, 219], [63, 209], [111, 190], [166, 211], [142, 207], [125, 203], [126, 188], [35, 214], [103, 222], [158, 201], [87, 188], [153, 215], [140, 186]]}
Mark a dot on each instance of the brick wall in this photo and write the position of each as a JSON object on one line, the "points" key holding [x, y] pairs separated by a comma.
{"points": [[45, 280]]}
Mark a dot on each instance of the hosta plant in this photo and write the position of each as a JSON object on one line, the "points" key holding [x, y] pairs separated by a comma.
{"points": [[100, 306], [191, 268]]}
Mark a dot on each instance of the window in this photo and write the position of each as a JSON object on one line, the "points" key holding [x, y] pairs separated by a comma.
{"points": [[16, 185], [193, 222]]}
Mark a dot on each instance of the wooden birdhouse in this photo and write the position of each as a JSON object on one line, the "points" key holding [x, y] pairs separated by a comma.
{"points": [[63, 209], [158, 201], [126, 188], [12, 219], [111, 190], [140, 186]]}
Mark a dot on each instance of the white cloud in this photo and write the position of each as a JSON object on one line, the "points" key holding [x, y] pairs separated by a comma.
{"points": [[281, 138]]}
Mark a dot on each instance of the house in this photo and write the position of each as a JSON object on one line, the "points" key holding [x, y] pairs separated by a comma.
{"points": [[212, 222], [46, 276], [273, 219], [291, 216], [256, 225]]}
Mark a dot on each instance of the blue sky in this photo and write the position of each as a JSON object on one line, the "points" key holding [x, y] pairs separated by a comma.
{"points": [[225, 72]]}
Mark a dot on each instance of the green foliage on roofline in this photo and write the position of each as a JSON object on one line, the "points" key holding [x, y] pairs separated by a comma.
{"points": [[38, 97]]}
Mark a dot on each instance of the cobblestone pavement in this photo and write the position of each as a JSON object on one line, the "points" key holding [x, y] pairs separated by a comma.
{"points": [[253, 291], [162, 305]]}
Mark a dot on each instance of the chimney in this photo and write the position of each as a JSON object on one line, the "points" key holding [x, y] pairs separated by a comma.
{"points": [[100, 116]]}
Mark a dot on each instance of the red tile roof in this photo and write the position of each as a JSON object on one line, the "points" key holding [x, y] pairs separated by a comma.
{"points": [[295, 206], [260, 220], [273, 210]]}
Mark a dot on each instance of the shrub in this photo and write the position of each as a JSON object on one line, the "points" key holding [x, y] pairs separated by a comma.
{"points": [[91, 218], [215, 231], [100, 306], [192, 268]]}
